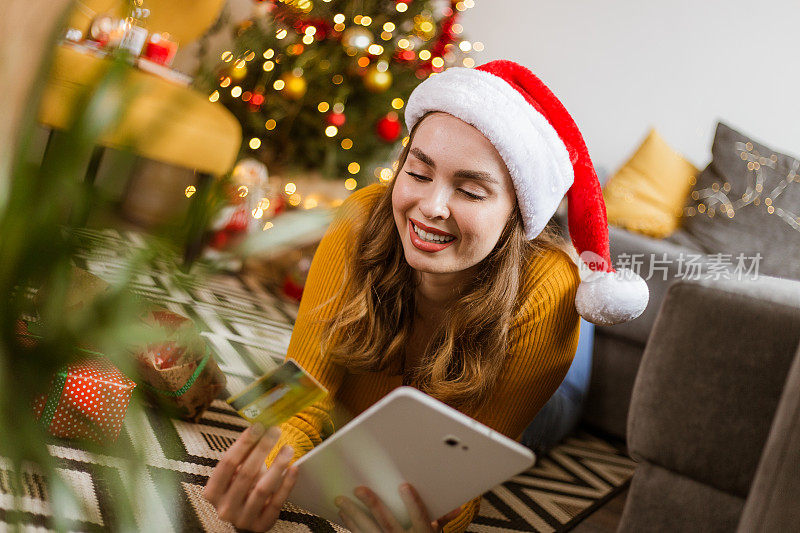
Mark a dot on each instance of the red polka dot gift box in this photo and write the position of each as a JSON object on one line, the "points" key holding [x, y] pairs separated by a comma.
{"points": [[87, 399]]}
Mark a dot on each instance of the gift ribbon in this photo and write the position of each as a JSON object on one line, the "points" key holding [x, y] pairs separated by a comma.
{"points": [[53, 398], [189, 383]]}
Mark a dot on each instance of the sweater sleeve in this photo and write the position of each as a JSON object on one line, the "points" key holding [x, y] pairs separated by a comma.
{"points": [[322, 299]]}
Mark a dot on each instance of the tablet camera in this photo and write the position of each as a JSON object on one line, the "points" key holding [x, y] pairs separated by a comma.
{"points": [[451, 441]]}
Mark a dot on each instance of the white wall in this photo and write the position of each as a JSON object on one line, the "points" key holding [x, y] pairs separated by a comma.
{"points": [[621, 66]]}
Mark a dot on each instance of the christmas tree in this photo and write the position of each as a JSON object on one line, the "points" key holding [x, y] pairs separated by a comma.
{"points": [[322, 84]]}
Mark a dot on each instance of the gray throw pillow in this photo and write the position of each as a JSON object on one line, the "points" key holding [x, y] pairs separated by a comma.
{"points": [[747, 201]]}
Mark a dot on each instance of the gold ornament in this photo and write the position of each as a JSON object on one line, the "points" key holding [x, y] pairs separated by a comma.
{"points": [[424, 27], [294, 86], [376, 81], [238, 71], [356, 39]]}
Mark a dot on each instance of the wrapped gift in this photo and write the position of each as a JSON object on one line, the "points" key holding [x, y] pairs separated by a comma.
{"points": [[87, 399], [179, 373]]}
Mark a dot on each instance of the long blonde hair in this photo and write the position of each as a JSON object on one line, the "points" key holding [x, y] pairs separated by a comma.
{"points": [[466, 353]]}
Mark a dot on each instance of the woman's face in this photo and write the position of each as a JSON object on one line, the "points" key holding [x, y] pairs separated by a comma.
{"points": [[452, 197]]}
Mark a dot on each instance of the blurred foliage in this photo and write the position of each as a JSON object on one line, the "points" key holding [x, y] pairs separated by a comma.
{"points": [[46, 202]]}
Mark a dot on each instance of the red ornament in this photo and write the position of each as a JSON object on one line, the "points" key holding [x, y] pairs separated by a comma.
{"points": [[389, 127], [336, 119]]}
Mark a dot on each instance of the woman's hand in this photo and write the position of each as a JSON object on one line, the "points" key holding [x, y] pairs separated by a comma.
{"points": [[242, 489], [382, 520]]}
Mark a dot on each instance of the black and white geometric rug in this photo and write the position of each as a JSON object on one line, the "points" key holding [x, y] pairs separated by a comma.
{"points": [[249, 329]]}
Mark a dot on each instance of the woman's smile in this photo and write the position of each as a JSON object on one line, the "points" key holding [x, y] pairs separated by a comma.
{"points": [[427, 241]]}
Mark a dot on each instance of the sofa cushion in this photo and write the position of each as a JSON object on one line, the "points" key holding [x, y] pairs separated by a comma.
{"points": [[663, 501], [711, 376], [747, 201], [648, 193]]}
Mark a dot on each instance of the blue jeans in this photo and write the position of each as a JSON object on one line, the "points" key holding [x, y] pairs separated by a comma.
{"points": [[561, 413]]}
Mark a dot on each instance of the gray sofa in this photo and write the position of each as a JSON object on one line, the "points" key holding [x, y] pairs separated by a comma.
{"points": [[715, 412]]}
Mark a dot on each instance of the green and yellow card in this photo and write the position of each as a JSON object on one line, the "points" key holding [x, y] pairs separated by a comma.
{"points": [[277, 396]]}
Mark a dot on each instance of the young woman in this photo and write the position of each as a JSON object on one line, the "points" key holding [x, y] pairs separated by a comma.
{"points": [[444, 279]]}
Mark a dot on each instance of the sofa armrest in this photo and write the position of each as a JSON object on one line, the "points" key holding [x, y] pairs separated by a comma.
{"points": [[772, 502], [711, 377]]}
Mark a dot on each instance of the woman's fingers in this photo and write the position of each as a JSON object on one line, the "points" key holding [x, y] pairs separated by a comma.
{"points": [[266, 485], [271, 512], [360, 520], [386, 520], [440, 522], [246, 477], [420, 520], [227, 466]]}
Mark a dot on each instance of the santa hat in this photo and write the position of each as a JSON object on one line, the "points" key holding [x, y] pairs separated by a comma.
{"points": [[547, 158]]}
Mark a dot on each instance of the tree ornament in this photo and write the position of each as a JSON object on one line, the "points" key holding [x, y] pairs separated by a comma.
{"points": [[356, 39], [388, 128], [424, 27], [294, 86], [238, 71], [335, 119], [376, 81]]}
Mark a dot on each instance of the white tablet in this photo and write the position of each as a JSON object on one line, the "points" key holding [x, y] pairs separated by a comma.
{"points": [[407, 436]]}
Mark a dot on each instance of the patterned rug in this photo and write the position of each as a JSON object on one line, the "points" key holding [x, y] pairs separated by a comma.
{"points": [[249, 327]]}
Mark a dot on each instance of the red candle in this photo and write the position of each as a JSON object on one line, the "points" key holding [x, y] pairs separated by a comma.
{"points": [[160, 49]]}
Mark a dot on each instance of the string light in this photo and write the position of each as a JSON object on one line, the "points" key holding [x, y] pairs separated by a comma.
{"points": [[347, 143], [290, 188], [269, 53], [227, 56], [338, 27], [353, 168], [403, 43], [270, 124], [310, 203], [350, 183], [295, 199], [401, 7], [279, 85], [267, 226], [338, 18], [281, 34], [337, 79], [405, 141], [375, 49], [331, 131], [242, 191], [425, 55], [386, 36], [338, 107], [465, 46], [225, 82], [389, 26], [386, 174], [366, 20], [257, 213], [468, 62], [398, 103], [323, 107], [190, 190], [308, 39], [268, 66], [255, 143], [236, 92], [213, 97], [250, 56], [477, 46], [437, 62]]}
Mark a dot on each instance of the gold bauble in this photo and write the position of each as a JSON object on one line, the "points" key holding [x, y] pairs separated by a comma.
{"points": [[424, 27], [294, 86], [376, 81], [356, 39], [237, 73]]}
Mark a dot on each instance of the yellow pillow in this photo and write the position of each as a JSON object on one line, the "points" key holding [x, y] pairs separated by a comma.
{"points": [[648, 193]]}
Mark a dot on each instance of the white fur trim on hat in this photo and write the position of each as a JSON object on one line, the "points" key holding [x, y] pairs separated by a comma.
{"points": [[537, 160], [608, 298]]}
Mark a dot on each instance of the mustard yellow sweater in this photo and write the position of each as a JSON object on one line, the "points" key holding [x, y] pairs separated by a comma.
{"points": [[542, 343]]}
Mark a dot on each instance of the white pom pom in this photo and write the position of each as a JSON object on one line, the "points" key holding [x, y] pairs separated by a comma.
{"points": [[608, 298]]}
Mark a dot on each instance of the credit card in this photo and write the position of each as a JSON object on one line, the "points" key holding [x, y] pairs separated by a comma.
{"points": [[279, 395]]}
